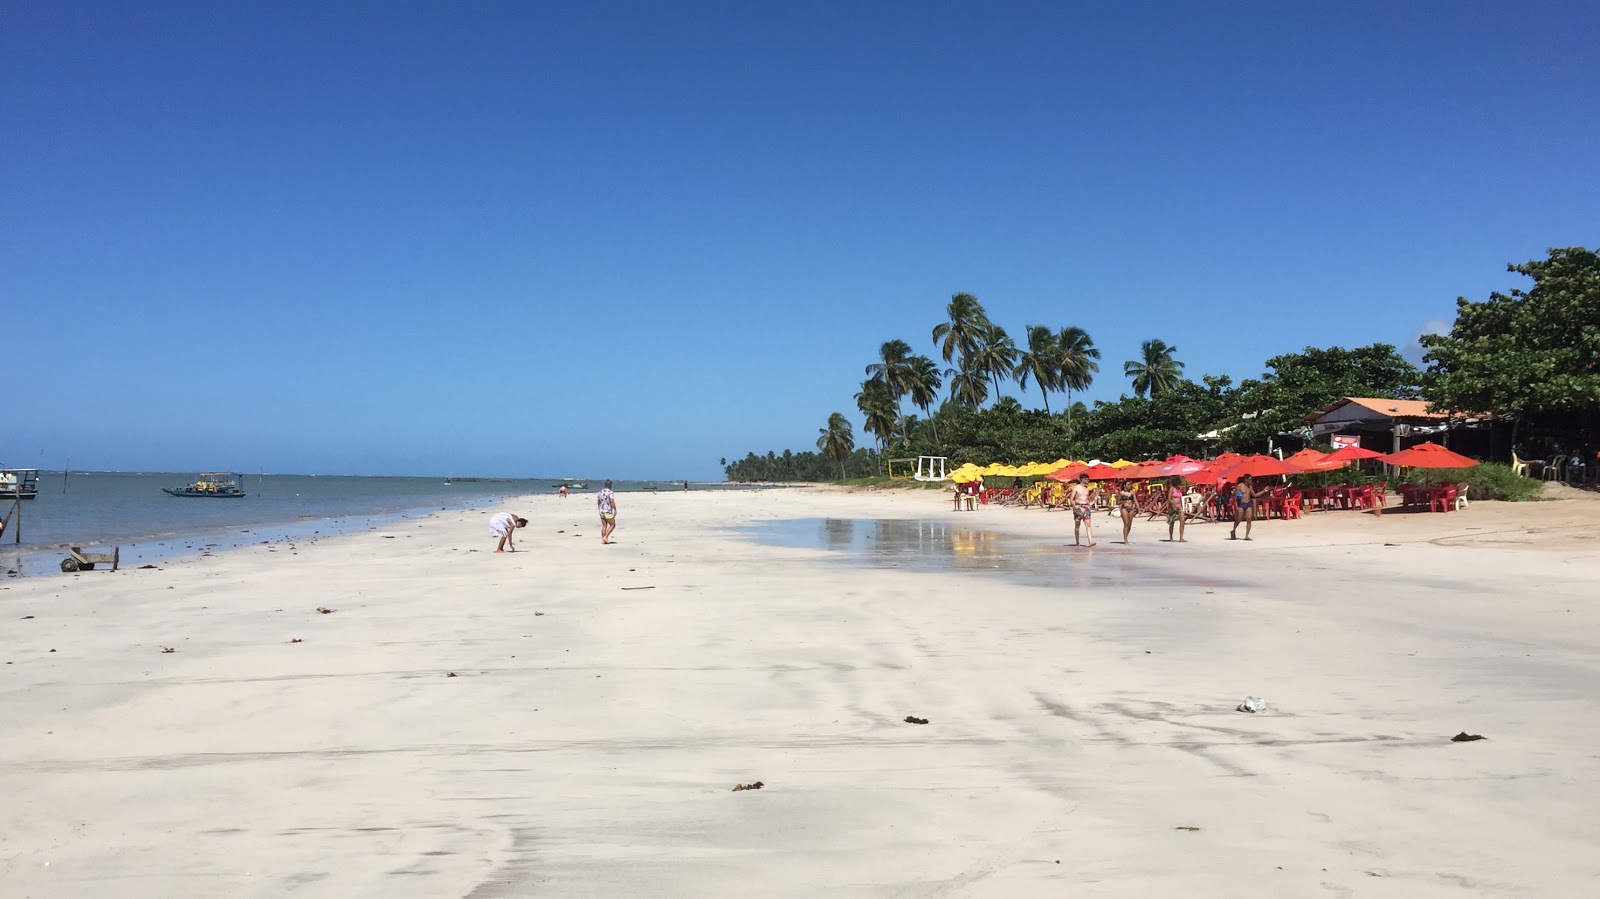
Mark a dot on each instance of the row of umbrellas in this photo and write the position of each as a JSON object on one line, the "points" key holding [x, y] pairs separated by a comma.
{"points": [[1226, 467]]}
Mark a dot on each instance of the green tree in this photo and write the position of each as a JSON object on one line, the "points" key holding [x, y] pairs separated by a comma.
{"points": [[1525, 352], [1296, 384], [837, 440], [1155, 371], [996, 355], [1079, 363], [894, 371], [1040, 361], [923, 388], [879, 408], [969, 385], [963, 333]]}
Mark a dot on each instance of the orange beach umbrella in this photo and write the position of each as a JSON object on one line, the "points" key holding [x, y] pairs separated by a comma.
{"points": [[1429, 455], [1258, 467], [1310, 460], [1350, 454]]}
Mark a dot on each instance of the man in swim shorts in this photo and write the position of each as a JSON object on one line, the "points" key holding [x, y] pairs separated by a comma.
{"points": [[505, 524], [1082, 499], [607, 501]]}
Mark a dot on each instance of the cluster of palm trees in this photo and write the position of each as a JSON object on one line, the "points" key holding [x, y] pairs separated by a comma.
{"points": [[982, 354]]}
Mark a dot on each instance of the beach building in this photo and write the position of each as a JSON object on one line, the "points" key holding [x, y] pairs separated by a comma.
{"points": [[1388, 425]]}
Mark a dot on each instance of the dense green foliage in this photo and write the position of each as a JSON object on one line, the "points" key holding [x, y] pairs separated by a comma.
{"points": [[1168, 413], [802, 467], [1490, 480], [1528, 351]]}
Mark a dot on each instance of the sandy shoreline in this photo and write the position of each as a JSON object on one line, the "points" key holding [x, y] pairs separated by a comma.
{"points": [[589, 740]]}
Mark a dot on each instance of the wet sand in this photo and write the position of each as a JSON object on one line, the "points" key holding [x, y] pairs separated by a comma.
{"points": [[607, 698]]}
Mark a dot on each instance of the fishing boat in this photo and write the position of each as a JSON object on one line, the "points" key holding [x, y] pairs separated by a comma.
{"points": [[19, 483], [213, 484]]}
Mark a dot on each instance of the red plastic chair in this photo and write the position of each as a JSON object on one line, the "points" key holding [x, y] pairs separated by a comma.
{"points": [[1291, 504], [1442, 499]]}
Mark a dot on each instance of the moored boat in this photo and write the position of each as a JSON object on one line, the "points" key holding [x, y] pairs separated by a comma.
{"points": [[19, 483], [211, 484]]}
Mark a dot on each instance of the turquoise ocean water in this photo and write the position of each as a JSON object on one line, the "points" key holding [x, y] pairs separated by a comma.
{"points": [[128, 509]]}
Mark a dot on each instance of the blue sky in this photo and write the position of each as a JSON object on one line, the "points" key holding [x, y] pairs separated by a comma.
{"points": [[628, 239]]}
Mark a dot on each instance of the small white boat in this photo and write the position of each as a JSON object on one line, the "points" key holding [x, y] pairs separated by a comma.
{"points": [[19, 483]]}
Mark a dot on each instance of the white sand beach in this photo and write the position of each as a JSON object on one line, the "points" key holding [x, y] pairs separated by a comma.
{"points": [[1082, 736]]}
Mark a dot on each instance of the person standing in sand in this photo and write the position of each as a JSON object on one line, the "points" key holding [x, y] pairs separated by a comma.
{"points": [[1127, 506], [607, 501], [1082, 499], [505, 524], [1175, 509], [1244, 506]]}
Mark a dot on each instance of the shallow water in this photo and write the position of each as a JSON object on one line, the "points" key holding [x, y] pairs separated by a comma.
{"points": [[933, 546]]}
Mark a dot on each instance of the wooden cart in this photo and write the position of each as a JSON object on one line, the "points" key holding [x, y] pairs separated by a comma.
{"points": [[85, 561]]}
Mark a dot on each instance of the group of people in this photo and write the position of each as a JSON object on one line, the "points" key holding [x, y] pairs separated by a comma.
{"points": [[1082, 496], [505, 524]]}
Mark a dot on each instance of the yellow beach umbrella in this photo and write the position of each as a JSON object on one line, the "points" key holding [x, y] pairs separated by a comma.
{"points": [[1121, 463], [1059, 464]]}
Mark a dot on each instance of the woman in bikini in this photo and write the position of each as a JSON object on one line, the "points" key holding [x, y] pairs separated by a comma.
{"points": [[1175, 509], [1127, 506], [1244, 507]]}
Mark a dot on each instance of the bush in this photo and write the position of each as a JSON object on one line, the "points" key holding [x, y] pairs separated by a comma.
{"points": [[1491, 480]]}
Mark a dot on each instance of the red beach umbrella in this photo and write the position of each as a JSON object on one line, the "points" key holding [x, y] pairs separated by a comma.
{"points": [[1350, 454], [1182, 466], [1070, 473], [1204, 475], [1259, 467], [1428, 455], [1105, 473], [1310, 460]]}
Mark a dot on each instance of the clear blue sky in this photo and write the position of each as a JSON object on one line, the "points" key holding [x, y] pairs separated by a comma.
{"points": [[627, 239]]}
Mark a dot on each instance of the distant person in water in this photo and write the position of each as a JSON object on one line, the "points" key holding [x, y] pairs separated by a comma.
{"points": [[1082, 499], [1175, 509], [607, 501], [1244, 506], [505, 525]]}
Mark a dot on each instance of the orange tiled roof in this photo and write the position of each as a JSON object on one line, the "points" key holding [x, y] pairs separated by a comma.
{"points": [[1385, 407]]}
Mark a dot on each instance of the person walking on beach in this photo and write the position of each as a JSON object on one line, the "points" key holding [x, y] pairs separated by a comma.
{"points": [[1175, 508], [607, 501], [563, 491], [1244, 506], [505, 524], [1082, 499], [1127, 506]]}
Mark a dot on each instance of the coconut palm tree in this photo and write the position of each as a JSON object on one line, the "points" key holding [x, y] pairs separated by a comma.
{"points": [[1078, 357], [995, 356], [837, 441], [880, 409], [968, 386], [963, 333], [893, 370], [1155, 372], [1040, 361], [923, 388]]}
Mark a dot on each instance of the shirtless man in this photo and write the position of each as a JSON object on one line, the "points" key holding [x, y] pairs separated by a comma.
{"points": [[1081, 496], [1244, 507], [505, 524]]}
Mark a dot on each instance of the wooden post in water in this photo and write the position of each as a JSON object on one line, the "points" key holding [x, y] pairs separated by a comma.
{"points": [[16, 509]]}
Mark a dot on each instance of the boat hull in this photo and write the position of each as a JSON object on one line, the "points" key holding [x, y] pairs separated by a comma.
{"points": [[200, 494]]}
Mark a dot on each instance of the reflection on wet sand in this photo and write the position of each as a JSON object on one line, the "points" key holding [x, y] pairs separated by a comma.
{"points": [[938, 546]]}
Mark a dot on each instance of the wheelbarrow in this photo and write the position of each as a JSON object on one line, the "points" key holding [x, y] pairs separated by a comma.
{"points": [[85, 561]]}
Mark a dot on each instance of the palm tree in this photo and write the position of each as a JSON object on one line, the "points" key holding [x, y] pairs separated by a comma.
{"points": [[893, 370], [880, 410], [1041, 362], [1077, 354], [968, 385], [963, 333], [923, 388], [837, 440], [1156, 372], [995, 356]]}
